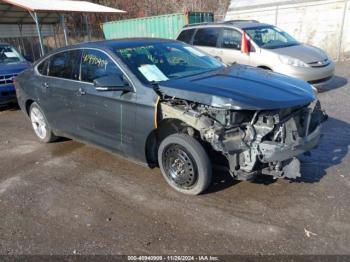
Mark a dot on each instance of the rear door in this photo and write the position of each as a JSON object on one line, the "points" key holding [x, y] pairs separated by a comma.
{"points": [[59, 90], [207, 39]]}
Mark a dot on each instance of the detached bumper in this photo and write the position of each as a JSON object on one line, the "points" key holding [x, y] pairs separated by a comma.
{"points": [[274, 152]]}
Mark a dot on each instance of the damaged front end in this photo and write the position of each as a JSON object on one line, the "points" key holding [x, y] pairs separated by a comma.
{"points": [[253, 142]]}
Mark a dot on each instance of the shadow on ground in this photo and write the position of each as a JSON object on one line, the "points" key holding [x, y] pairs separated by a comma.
{"points": [[9, 107], [335, 83], [221, 181], [332, 149]]}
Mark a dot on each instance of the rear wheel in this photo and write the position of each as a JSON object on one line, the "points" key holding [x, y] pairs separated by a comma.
{"points": [[185, 164], [40, 125]]}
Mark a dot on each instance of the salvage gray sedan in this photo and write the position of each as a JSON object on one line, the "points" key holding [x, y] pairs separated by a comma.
{"points": [[165, 103]]}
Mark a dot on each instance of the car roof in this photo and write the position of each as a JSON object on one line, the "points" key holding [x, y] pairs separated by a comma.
{"points": [[233, 24], [115, 43], [119, 43]]}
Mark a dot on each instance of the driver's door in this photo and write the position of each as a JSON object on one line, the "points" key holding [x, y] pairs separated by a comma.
{"points": [[230, 47], [106, 117]]}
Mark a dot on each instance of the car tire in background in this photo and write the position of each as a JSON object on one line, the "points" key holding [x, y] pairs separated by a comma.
{"points": [[185, 164], [40, 125]]}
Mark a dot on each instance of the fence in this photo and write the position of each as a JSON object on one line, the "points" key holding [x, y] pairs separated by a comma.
{"points": [[29, 45]]}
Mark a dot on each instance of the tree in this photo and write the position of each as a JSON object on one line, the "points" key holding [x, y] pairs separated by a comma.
{"points": [[138, 8]]}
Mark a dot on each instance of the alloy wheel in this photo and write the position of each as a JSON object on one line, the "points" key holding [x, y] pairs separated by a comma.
{"points": [[38, 123]]}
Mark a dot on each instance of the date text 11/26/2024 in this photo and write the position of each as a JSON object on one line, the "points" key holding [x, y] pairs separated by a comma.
{"points": [[173, 258]]}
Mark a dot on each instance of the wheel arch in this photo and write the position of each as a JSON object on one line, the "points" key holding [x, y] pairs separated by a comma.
{"points": [[28, 104], [165, 128]]}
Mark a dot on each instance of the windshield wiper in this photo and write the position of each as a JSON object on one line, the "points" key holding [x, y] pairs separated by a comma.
{"points": [[279, 46]]}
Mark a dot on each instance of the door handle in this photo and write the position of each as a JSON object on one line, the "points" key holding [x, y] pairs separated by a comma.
{"points": [[45, 85], [81, 92]]}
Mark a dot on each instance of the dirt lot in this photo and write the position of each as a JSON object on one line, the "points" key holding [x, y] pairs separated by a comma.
{"points": [[68, 198]]}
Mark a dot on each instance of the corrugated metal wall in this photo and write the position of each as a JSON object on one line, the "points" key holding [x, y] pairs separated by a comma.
{"points": [[13, 30], [163, 26], [156, 26], [323, 23]]}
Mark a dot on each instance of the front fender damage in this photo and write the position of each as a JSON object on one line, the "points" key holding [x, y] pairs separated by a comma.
{"points": [[254, 142]]}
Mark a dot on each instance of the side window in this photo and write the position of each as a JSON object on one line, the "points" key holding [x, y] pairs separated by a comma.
{"points": [[65, 65], [186, 36], [231, 39], [96, 64], [43, 67], [207, 37]]}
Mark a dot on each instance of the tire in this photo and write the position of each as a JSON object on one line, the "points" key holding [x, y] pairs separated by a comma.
{"points": [[40, 125], [184, 163]]}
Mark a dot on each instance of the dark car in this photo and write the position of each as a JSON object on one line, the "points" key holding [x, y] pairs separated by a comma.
{"points": [[11, 64], [165, 103]]}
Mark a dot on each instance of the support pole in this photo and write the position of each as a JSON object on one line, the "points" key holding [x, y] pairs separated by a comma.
{"points": [[276, 14], [54, 35], [36, 20], [341, 33], [87, 24], [20, 27], [63, 21]]}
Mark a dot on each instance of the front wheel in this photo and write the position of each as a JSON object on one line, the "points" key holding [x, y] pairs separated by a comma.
{"points": [[40, 125], [185, 164]]}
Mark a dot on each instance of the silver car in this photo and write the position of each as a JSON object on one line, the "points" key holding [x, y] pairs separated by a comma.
{"points": [[261, 45]]}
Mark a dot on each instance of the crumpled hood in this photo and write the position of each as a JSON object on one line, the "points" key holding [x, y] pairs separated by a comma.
{"points": [[241, 87], [13, 68], [305, 53]]}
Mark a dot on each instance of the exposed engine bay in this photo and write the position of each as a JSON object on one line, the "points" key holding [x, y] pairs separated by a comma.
{"points": [[253, 142]]}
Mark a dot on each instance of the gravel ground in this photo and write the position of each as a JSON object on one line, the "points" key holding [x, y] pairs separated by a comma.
{"points": [[69, 198]]}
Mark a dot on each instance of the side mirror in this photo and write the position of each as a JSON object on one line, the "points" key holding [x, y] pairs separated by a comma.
{"points": [[112, 83]]}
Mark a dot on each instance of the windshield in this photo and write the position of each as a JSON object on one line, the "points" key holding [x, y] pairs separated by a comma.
{"points": [[9, 55], [158, 62], [270, 37]]}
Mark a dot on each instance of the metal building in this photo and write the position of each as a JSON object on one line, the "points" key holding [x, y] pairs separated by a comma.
{"points": [[323, 23], [29, 18]]}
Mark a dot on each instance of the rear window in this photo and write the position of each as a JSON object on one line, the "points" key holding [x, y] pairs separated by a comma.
{"points": [[207, 37], [65, 65], [186, 36]]}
